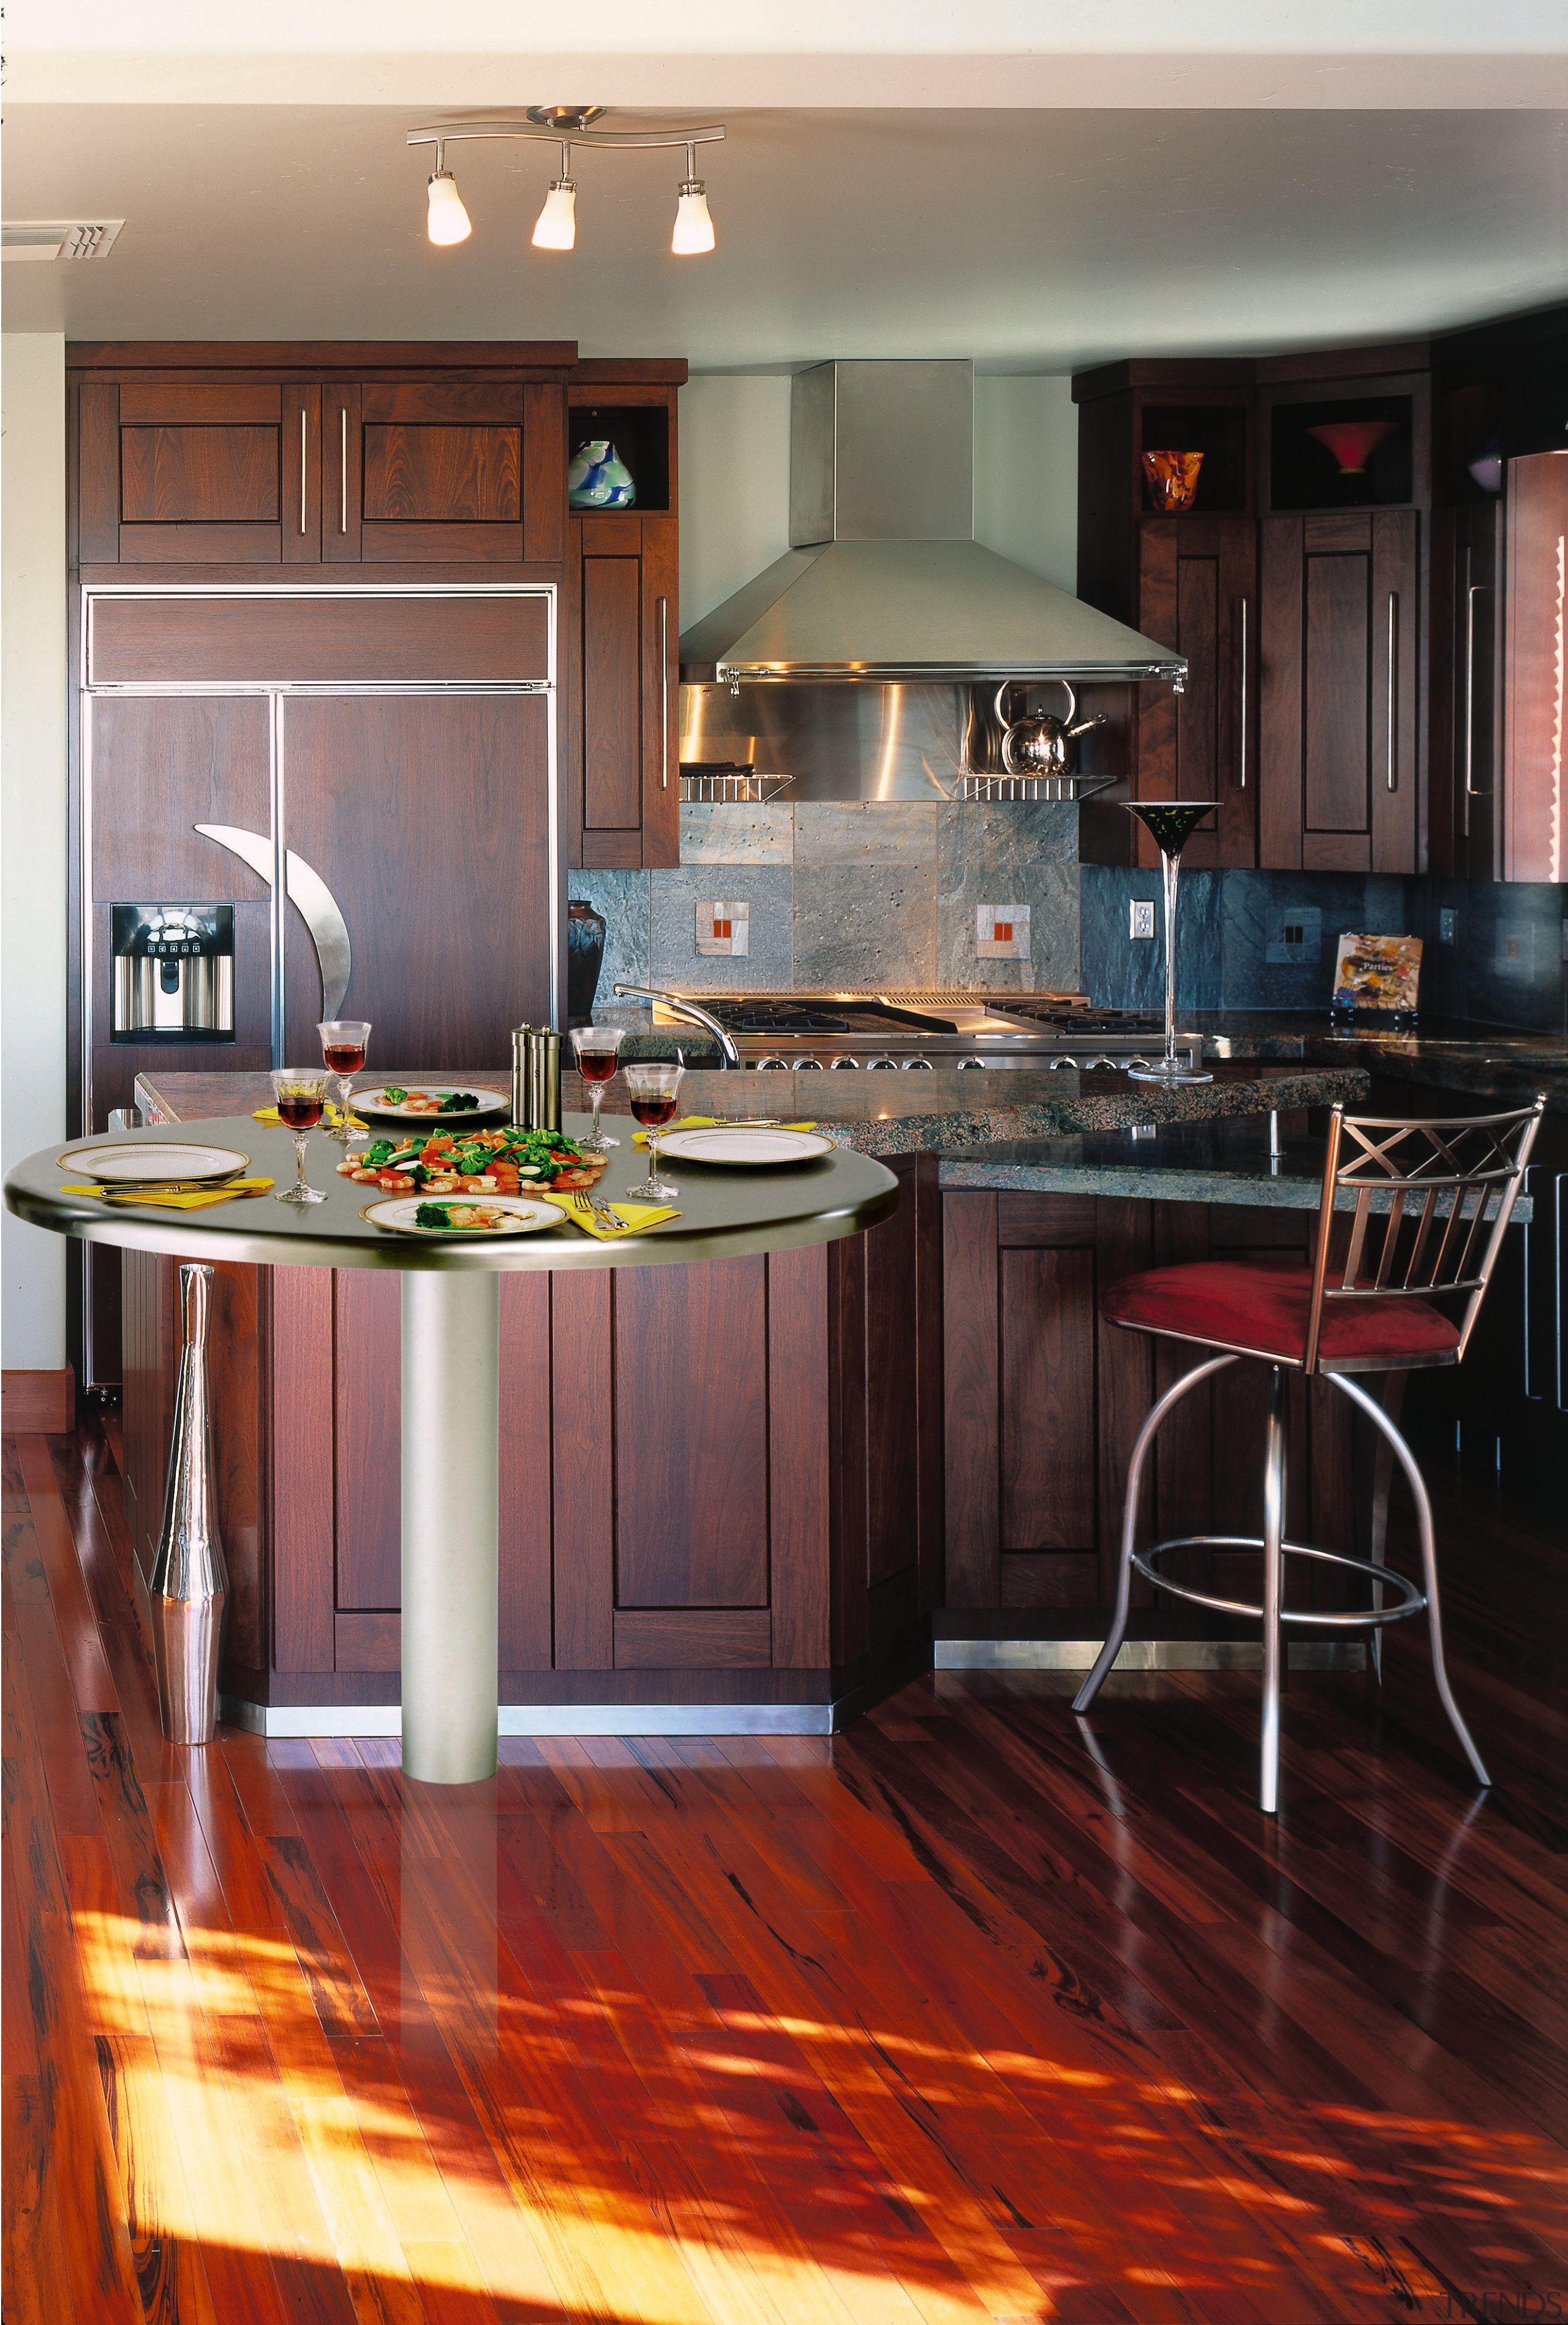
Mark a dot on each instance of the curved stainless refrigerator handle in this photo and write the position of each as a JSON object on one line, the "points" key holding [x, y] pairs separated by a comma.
{"points": [[317, 907]]}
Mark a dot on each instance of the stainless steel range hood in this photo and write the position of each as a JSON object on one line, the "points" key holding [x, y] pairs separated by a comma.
{"points": [[884, 581]]}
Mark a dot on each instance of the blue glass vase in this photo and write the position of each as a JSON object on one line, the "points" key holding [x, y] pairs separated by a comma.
{"points": [[597, 479]]}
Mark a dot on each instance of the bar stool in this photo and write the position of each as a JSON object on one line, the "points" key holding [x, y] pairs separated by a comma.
{"points": [[1420, 1194]]}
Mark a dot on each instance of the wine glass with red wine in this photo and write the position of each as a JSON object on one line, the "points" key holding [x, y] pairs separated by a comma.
{"points": [[344, 1041], [597, 1047], [302, 1094], [653, 1093]]}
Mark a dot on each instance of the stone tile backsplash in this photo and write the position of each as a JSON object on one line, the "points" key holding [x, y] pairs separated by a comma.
{"points": [[1268, 940], [857, 894], [866, 893]]}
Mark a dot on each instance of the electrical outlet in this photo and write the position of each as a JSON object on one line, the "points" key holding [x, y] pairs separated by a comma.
{"points": [[1447, 922], [1141, 917]]}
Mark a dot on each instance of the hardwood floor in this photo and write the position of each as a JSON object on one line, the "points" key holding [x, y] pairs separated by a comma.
{"points": [[977, 2010]]}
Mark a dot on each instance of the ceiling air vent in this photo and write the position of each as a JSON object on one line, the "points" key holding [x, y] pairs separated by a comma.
{"points": [[58, 237]]}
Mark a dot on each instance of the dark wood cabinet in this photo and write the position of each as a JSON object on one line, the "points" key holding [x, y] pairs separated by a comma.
{"points": [[181, 463], [718, 1482], [1465, 745], [1297, 585], [1187, 580], [1340, 683], [1197, 594], [1044, 1401], [627, 711], [179, 473]]}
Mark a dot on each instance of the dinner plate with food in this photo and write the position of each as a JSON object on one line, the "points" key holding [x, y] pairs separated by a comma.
{"points": [[483, 1215], [476, 1162], [438, 1101]]}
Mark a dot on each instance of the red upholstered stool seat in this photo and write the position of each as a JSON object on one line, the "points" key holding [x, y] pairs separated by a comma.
{"points": [[1229, 1304]]}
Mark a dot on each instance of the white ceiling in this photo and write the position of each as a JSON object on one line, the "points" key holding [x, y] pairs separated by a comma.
{"points": [[1031, 240], [1294, 53]]}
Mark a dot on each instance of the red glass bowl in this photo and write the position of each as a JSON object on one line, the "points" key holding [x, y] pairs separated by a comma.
{"points": [[1352, 442]]}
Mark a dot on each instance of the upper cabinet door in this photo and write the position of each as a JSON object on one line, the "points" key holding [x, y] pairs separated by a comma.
{"points": [[1198, 595], [628, 705], [1535, 808], [446, 471], [1339, 684], [200, 475]]}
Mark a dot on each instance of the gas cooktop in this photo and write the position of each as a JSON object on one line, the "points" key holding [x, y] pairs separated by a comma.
{"points": [[811, 1032]]}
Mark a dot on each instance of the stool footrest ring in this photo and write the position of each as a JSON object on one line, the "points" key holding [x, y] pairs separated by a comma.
{"points": [[1412, 1600]]}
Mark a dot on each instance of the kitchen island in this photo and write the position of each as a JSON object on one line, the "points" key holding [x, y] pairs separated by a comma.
{"points": [[765, 1474]]}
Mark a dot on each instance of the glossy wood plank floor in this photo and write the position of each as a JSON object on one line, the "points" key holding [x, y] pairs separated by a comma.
{"points": [[976, 2012]]}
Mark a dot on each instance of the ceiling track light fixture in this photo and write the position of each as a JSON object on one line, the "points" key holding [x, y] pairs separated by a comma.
{"points": [[447, 220], [567, 126]]}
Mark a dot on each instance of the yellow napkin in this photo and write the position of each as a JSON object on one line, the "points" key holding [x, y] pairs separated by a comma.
{"points": [[178, 1195], [708, 1122], [275, 1121], [637, 1216]]}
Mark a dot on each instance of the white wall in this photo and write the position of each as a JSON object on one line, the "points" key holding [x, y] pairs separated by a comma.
{"points": [[735, 479], [32, 823], [1026, 473], [735, 484]]}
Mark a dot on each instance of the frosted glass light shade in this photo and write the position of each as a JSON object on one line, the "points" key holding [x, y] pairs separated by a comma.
{"points": [[449, 220], [693, 226], [556, 226]]}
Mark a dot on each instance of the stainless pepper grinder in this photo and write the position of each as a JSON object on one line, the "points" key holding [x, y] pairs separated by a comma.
{"points": [[522, 1035], [545, 1108], [189, 1584]]}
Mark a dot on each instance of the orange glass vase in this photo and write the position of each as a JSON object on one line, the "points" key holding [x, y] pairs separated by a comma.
{"points": [[1173, 477]]}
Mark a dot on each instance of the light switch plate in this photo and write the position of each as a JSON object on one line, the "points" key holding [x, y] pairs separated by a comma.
{"points": [[1447, 924], [1001, 932], [724, 928], [1141, 917]]}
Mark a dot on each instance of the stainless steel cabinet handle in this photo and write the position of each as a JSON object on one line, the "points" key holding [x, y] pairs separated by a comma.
{"points": [[1531, 1395], [1241, 753], [1393, 684], [663, 694], [1477, 590], [308, 893], [304, 446], [343, 469], [1557, 1240]]}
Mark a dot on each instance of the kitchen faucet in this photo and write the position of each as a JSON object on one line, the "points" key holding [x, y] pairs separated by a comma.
{"points": [[686, 1008]]}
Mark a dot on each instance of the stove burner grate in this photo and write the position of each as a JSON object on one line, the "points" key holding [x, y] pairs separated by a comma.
{"points": [[779, 1019]]}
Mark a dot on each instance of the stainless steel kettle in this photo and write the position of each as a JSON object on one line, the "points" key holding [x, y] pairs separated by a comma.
{"points": [[1038, 745]]}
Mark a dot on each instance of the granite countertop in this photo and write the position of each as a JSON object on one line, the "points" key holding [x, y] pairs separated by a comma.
{"points": [[877, 1114], [1472, 1061], [1223, 1162]]}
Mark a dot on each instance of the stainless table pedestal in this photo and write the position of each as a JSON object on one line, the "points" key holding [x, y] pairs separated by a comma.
{"points": [[451, 1435]]}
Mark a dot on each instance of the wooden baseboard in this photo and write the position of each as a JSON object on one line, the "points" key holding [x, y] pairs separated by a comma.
{"points": [[38, 1401]]}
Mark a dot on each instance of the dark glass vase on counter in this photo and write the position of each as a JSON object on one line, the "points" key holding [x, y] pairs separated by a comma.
{"points": [[585, 936]]}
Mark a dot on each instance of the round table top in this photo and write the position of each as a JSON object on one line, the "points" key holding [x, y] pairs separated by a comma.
{"points": [[723, 1211]]}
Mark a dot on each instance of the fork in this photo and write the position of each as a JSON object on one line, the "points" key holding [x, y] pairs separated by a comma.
{"points": [[606, 1218]]}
